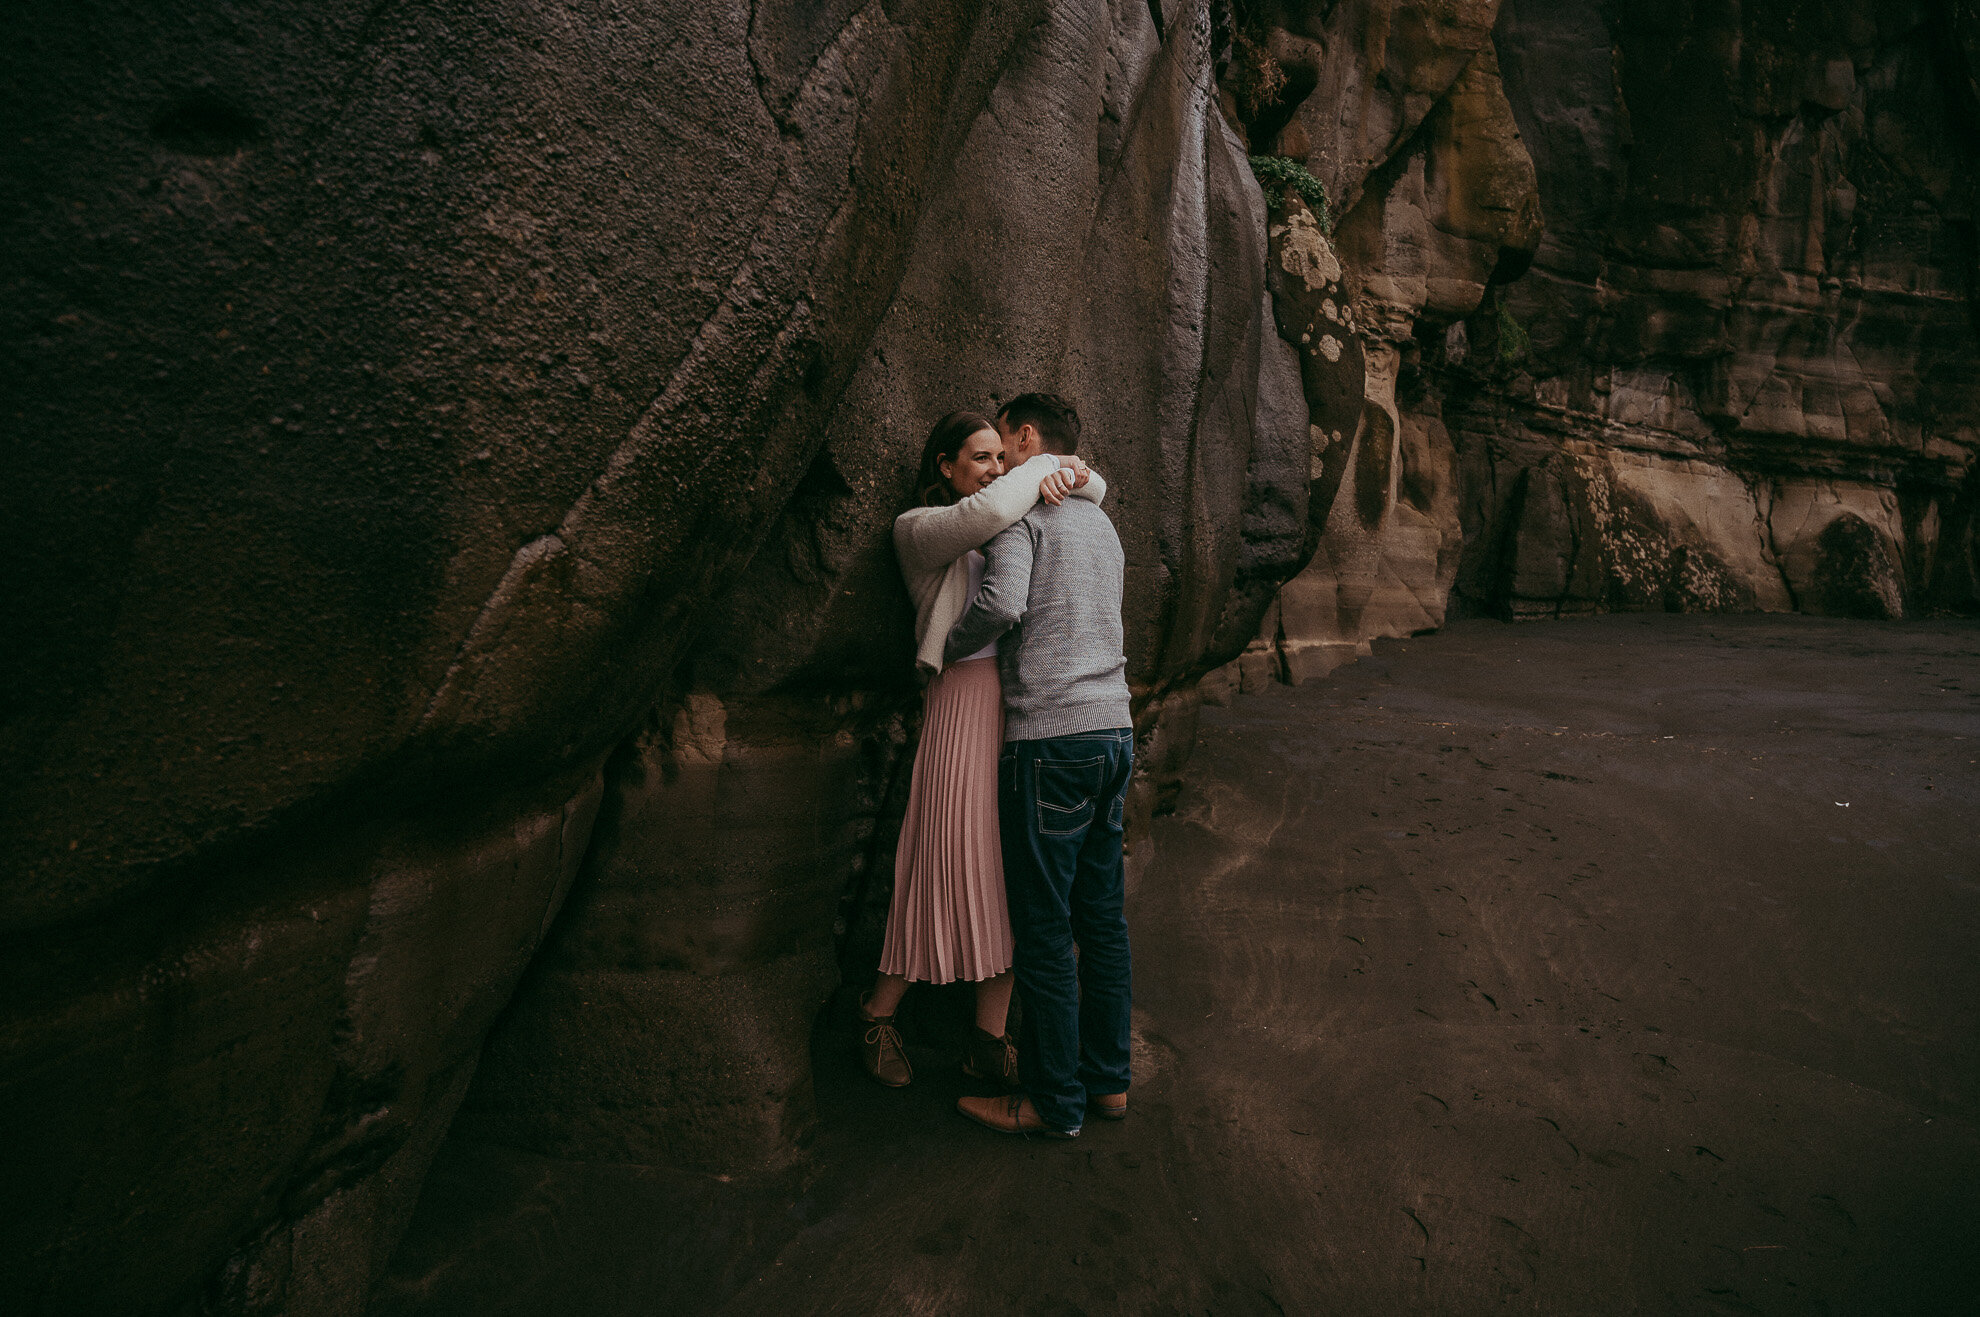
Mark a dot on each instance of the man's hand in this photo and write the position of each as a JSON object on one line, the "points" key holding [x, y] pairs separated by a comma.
{"points": [[1054, 488]]}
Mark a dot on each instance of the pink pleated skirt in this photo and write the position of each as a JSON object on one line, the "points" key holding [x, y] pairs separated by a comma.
{"points": [[948, 920]]}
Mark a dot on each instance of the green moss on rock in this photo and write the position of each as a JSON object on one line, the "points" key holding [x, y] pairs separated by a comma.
{"points": [[1277, 173]]}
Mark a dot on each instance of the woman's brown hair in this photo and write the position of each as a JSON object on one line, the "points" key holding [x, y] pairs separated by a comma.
{"points": [[931, 487]]}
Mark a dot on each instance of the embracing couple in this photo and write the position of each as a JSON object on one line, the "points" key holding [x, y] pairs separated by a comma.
{"points": [[1010, 854]]}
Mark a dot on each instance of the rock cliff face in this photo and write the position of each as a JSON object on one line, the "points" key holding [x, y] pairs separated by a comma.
{"points": [[395, 393], [457, 448], [1399, 112], [1751, 341], [450, 429], [1734, 369], [1098, 232]]}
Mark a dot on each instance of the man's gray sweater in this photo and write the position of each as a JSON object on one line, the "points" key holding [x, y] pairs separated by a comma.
{"points": [[1052, 591]]}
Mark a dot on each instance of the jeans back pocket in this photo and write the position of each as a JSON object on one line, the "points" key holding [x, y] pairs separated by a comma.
{"points": [[1067, 791]]}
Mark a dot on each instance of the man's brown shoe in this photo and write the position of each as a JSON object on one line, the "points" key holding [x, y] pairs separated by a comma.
{"points": [[1010, 1115], [1108, 1106], [880, 1050], [992, 1058]]}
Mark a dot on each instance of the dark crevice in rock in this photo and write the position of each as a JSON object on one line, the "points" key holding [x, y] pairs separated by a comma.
{"points": [[1773, 547], [1853, 575], [205, 123]]}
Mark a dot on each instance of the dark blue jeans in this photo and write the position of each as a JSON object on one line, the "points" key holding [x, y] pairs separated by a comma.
{"points": [[1059, 804]]}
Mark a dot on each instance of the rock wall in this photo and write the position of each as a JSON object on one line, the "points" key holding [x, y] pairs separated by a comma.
{"points": [[1751, 367], [392, 392], [1399, 111], [1734, 368], [461, 445], [1098, 232]]}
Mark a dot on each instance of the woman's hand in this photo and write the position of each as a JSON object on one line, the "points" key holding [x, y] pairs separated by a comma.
{"points": [[1081, 472], [1054, 488]]}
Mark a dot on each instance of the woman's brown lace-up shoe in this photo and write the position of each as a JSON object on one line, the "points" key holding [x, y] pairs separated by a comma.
{"points": [[880, 1049], [991, 1057]]}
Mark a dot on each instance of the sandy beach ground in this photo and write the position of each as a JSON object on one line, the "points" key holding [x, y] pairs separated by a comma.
{"points": [[1624, 964]]}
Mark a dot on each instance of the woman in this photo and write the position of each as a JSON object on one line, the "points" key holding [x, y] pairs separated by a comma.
{"points": [[948, 920]]}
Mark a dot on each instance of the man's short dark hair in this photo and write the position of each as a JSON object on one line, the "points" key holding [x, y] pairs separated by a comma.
{"points": [[1055, 419]]}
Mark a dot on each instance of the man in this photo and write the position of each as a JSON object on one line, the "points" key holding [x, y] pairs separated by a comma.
{"points": [[1051, 597]]}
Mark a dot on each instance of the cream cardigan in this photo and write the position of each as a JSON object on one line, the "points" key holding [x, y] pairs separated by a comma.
{"points": [[934, 543]]}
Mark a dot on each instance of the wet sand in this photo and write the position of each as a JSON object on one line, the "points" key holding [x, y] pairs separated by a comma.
{"points": [[1619, 964]]}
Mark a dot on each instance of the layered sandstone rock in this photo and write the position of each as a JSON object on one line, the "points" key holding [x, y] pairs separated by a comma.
{"points": [[1752, 302], [1398, 110], [1740, 372]]}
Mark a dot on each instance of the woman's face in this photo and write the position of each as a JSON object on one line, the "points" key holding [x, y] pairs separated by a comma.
{"points": [[979, 461]]}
